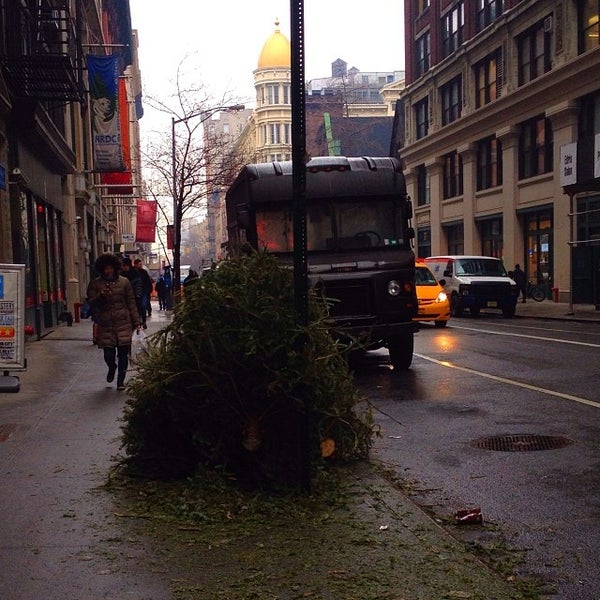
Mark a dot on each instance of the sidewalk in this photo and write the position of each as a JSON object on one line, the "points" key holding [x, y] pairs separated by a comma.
{"points": [[62, 538], [557, 311]]}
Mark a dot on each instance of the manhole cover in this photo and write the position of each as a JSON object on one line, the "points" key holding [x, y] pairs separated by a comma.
{"points": [[6, 431], [521, 443]]}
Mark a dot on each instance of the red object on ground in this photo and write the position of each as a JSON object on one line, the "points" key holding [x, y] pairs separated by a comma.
{"points": [[76, 308], [29, 330], [469, 517]]}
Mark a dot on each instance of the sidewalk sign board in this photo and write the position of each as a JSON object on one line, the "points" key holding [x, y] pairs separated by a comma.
{"points": [[12, 324]]}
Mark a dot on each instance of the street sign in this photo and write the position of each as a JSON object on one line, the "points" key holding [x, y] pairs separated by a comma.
{"points": [[128, 238], [568, 164]]}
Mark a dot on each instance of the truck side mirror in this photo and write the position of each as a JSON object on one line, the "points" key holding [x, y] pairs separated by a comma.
{"points": [[442, 282], [447, 273], [410, 233], [409, 208]]}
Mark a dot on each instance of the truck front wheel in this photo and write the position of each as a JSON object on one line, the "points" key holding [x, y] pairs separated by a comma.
{"points": [[401, 351]]}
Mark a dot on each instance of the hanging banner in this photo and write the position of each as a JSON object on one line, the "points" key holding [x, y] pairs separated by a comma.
{"points": [[145, 231], [119, 183], [106, 126], [12, 317]]}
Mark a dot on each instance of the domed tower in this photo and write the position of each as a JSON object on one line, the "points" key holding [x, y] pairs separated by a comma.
{"points": [[273, 113]]}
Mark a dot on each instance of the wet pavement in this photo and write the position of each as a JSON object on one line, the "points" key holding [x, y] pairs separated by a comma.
{"points": [[61, 536]]}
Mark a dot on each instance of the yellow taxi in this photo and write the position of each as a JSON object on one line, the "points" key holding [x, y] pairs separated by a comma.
{"points": [[433, 301]]}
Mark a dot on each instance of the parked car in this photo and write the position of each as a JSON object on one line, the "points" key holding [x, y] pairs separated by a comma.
{"points": [[475, 282], [433, 301]]}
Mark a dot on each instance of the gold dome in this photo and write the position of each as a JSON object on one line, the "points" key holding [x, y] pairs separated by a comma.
{"points": [[276, 51]]}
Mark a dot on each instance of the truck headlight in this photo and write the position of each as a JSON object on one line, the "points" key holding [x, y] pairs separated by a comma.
{"points": [[394, 288], [464, 290], [441, 297]]}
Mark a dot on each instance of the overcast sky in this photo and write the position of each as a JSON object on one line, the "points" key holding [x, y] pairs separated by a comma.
{"points": [[223, 39]]}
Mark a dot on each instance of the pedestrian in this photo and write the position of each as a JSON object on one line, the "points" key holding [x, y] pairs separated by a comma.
{"points": [[115, 311], [521, 280], [168, 278], [160, 288], [146, 288], [191, 275], [128, 271]]}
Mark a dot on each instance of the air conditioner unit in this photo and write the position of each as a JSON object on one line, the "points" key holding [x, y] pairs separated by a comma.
{"points": [[548, 24]]}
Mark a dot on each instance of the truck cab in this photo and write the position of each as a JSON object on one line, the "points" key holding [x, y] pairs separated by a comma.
{"points": [[358, 241]]}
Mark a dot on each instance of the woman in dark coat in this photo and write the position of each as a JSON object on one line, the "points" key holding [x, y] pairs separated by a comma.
{"points": [[115, 311]]}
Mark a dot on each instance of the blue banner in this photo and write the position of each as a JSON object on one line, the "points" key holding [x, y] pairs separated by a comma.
{"points": [[103, 73]]}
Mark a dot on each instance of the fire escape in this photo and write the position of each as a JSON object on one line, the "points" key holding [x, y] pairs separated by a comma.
{"points": [[41, 59]]}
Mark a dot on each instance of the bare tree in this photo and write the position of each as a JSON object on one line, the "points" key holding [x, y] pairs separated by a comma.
{"points": [[190, 162]]}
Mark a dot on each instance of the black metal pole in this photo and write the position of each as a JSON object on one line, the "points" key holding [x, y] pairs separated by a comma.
{"points": [[299, 160], [299, 211]]}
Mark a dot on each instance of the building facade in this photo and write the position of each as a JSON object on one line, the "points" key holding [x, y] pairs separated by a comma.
{"points": [[494, 90], [54, 217]]}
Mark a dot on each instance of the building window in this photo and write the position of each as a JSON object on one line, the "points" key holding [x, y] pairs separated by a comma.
{"points": [[286, 94], [422, 118], [451, 100], [422, 54], [488, 78], [424, 242], [489, 163], [273, 94], [423, 186], [488, 11], [535, 147], [422, 5], [287, 133], [452, 175], [263, 135], [453, 23], [274, 133], [491, 238], [589, 115], [533, 48], [455, 235], [589, 24]]}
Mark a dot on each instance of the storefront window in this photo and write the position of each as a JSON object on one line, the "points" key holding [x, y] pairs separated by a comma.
{"points": [[491, 238], [539, 248]]}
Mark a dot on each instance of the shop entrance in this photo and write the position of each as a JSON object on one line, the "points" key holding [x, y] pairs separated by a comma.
{"points": [[539, 249]]}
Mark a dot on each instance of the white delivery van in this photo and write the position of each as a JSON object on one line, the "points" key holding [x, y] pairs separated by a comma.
{"points": [[475, 282]]}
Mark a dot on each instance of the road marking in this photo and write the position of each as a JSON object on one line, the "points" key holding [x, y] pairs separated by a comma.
{"points": [[531, 337], [589, 333], [527, 386]]}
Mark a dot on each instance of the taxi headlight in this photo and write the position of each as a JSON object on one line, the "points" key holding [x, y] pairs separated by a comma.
{"points": [[441, 297], [393, 288]]}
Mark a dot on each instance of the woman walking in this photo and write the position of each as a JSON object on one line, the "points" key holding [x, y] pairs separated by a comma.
{"points": [[114, 309]]}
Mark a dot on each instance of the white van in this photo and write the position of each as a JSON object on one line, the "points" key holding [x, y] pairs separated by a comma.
{"points": [[475, 282]]}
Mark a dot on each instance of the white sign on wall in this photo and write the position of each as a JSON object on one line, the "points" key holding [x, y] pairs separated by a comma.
{"points": [[128, 238], [568, 164], [597, 155]]}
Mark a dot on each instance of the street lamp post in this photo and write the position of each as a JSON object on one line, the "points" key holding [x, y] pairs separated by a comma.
{"points": [[205, 114]]}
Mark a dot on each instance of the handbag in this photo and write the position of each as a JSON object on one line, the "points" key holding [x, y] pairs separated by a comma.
{"points": [[85, 312], [139, 346]]}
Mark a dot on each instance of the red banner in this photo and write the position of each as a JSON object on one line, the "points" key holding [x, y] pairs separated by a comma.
{"points": [[119, 182], [145, 231], [170, 237]]}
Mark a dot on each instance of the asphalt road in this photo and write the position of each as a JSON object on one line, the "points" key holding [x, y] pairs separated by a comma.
{"points": [[494, 377]]}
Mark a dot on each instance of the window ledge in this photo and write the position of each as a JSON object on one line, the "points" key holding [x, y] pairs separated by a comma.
{"points": [[535, 179], [488, 191], [453, 200]]}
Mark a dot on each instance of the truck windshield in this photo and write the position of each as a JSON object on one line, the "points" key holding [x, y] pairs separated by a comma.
{"points": [[333, 226], [474, 267]]}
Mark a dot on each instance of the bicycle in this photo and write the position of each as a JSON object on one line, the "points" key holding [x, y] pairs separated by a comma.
{"points": [[535, 292]]}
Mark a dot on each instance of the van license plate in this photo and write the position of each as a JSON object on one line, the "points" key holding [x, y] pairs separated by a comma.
{"points": [[492, 304]]}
